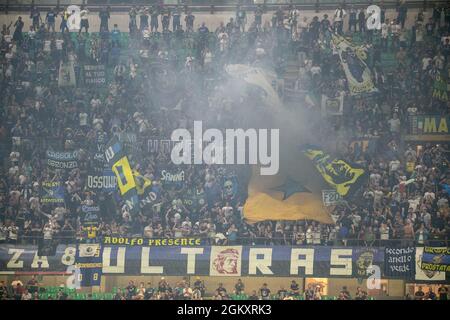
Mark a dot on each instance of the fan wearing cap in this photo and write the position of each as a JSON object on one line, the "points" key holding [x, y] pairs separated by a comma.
{"points": [[199, 285]]}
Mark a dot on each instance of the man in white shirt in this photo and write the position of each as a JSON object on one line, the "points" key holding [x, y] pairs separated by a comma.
{"points": [[31, 33], [187, 292], [13, 231], [148, 231], [339, 15], [84, 22], [394, 124], [59, 44], [26, 295], [16, 282], [83, 116], [439, 61]]}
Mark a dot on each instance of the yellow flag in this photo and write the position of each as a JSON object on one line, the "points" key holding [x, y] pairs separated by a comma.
{"points": [[282, 197], [142, 182]]}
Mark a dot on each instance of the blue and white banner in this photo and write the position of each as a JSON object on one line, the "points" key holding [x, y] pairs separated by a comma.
{"points": [[52, 192], [275, 261], [89, 260]]}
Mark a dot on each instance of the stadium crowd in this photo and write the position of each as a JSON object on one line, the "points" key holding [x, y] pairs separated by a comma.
{"points": [[405, 198], [184, 290]]}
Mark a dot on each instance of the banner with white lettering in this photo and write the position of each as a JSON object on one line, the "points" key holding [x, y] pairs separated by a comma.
{"points": [[89, 260], [62, 159], [399, 262], [331, 198], [172, 177], [104, 180], [278, 261], [94, 75]]}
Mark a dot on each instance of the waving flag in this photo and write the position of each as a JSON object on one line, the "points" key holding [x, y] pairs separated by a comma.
{"points": [[358, 74], [117, 159], [338, 173], [283, 197]]}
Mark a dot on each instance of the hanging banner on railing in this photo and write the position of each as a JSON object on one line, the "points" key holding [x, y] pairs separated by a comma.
{"points": [[236, 260], [436, 259], [89, 260], [427, 275], [399, 262]]}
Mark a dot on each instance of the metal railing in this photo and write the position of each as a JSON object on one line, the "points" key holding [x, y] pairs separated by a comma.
{"points": [[201, 5], [350, 242]]}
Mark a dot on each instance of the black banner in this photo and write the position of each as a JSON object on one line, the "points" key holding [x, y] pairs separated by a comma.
{"points": [[399, 262], [62, 159]]}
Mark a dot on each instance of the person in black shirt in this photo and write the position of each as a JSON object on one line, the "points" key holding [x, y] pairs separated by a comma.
{"points": [[119, 295], [61, 295], [163, 286], [143, 19], [3, 289], [241, 18], [402, 13], [35, 15], [279, 16], [203, 32], [264, 292], [221, 289], [430, 294], [345, 293], [360, 294], [295, 290], [443, 292], [282, 293], [189, 22], [176, 20], [104, 17], [130, 290], [419, 294], [258, 17], [17, 36], [239, 287], [362, 21], [154, 20], [314, 28], [149, 291], [253, 296], [51, 20], [309, 292], [166, 20], [199, 285], [325, 23]]}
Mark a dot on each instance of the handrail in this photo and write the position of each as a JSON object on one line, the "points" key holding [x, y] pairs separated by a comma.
{"points": [[206, 5], [337, 242]]}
